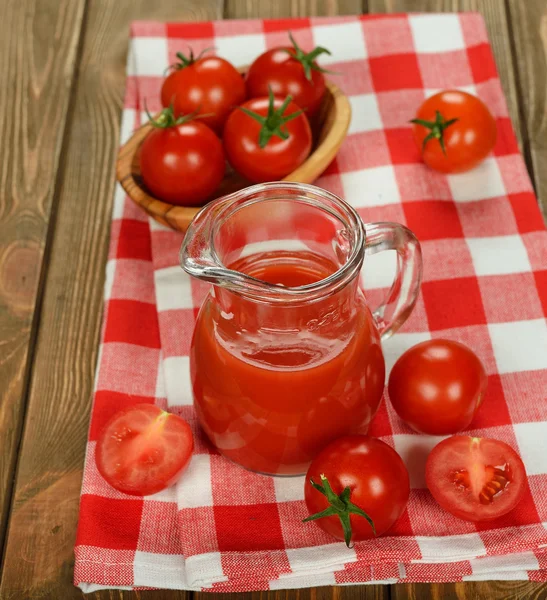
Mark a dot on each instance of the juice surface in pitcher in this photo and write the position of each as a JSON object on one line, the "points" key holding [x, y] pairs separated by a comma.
{"points": [[273, 384]]}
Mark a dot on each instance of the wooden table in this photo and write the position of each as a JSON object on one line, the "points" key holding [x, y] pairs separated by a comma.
{"points": [[61, 87]]}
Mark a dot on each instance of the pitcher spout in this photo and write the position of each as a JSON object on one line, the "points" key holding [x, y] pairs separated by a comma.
{"points": [[197, 256], [279, 218], [213, 242]]}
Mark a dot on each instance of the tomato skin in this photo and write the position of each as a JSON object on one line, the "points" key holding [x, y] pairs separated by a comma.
{"points": [[183, 164], [468, 141], [209, 85], [279, 157], [279, 70], [143, 449], [462, 452], [376, 475], [437, 386]]}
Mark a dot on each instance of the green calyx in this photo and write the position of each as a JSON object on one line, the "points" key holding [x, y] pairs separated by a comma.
{"points": [[436, 129], [167, 118], [272, 124], [339, 506], [307, 59], [186, 61]]}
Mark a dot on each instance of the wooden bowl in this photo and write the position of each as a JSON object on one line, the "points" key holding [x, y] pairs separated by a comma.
{"points": [[329, 129]]}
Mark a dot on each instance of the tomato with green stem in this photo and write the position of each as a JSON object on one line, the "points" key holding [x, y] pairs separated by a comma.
{"points": [[289, 70], [356, 488], [265, 139], [181, 159], [204, 85], [454, 130]]}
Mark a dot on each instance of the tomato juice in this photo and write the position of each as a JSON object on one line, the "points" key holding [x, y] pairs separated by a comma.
{"points": [[275, 384]]}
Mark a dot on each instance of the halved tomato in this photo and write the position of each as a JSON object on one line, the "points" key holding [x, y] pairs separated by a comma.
{"points": [[143, 449], [475, 479]]}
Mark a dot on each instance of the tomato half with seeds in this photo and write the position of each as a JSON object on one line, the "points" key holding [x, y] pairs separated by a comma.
{"points": [[143, 449], [475, 479], [454, 130]]}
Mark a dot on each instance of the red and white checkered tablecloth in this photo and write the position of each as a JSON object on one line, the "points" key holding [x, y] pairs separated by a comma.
{"points": [[485, 284]]}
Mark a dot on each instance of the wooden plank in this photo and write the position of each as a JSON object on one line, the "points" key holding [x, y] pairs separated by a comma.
{"points": [[470, 590], [39, 550], [36, 74], [266, 9], [499, 31], [528, 23], [351, 592]]}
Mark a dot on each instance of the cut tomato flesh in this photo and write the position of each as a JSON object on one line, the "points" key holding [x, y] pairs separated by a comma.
{"points": [[143, 449], [475, 478], [483, 481]]}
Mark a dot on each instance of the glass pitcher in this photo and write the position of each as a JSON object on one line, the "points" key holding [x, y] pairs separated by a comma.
{"points": [[286, 354]]}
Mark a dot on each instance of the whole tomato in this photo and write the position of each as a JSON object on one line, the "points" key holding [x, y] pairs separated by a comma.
{"points": [[182, 161], [437, 386], [289, 70], [454, 130], [265, 139], [356, 488], [204, 85]]}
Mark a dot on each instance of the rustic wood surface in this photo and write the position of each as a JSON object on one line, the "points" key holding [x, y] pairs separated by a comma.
{"points": [[528, 26], [61, 89], [35, 95]]}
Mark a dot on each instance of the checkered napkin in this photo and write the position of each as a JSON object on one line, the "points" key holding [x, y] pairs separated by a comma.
{"points": [[485, 284]]}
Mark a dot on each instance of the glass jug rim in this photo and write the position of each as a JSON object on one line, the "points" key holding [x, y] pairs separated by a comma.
{"points": [[218, 211]]}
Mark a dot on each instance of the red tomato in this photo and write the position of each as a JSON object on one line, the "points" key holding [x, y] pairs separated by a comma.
{"points": [[143, 449], [475, 479], [454, 130], [206, 86], [267, 138], [356, 481], [182, 161], [288, 70], [437, 386]]}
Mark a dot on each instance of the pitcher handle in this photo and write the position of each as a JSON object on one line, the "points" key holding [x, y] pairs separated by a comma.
{"points": [[403, 294]]}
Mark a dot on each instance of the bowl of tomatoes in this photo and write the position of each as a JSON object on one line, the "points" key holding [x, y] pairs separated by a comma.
{"points": [[224, 128]]}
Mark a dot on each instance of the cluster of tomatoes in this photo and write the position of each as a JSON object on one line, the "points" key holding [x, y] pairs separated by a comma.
{"points": [[260, 122], [358, 486]]}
